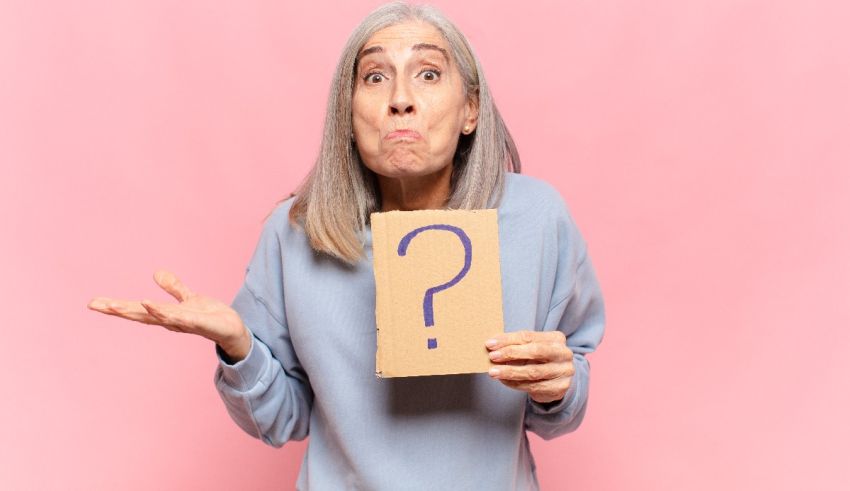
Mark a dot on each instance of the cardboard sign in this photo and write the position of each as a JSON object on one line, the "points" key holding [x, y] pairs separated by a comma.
{"points": [[439, 290]]}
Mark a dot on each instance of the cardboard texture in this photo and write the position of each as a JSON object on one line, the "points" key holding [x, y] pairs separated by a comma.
{"points": [[439, 291]]}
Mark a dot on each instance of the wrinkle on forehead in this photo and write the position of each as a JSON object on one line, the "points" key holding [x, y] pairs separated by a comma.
{"points": [[405, 36]]}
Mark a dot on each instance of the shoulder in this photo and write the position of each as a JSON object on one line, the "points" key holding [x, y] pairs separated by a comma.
{"points": [[277, 220], [534, 206], [277, 229], [279, 239], [531, 194], [280, 213]]}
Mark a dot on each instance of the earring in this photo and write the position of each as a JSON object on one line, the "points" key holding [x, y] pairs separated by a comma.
{"points": [[466, 130]]}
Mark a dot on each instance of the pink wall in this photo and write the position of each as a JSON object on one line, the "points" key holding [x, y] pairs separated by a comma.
{"points": [[703, 146]]}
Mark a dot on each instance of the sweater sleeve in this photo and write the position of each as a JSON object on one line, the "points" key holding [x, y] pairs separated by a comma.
{"points": [[577, 309], [267, 393]]}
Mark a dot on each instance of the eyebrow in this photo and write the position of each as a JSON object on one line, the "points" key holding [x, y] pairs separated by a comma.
{"points": [[415, 47]]}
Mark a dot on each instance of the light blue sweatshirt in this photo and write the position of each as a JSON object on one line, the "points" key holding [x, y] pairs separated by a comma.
{"points": [[311, 367]]}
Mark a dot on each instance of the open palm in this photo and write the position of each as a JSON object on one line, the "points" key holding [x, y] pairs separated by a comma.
{"points": [[194, 314]]}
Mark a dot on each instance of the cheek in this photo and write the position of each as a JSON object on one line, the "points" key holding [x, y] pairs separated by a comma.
{"points": [[445, 112], [365, 125], [444, 123], [366, 109]]}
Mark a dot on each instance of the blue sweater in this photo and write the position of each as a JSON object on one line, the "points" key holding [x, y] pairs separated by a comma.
{"points": [[311, 367]]}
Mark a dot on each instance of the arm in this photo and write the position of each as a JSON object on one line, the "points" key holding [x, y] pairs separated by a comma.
{"points": [[267, 393], [576, 309], [581, 317]]}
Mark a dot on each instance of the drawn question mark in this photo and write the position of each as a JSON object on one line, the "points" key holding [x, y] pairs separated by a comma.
{"points": [[428, 300]]}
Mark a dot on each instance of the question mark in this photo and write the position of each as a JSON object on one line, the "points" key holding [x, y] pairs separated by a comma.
{"points": [[428, 300]]}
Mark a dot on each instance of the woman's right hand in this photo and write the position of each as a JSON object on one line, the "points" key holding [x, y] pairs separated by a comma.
{"points": [[195, 314]]}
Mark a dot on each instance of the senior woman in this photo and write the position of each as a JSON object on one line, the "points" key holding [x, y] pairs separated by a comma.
{"points": [[410, 125]]}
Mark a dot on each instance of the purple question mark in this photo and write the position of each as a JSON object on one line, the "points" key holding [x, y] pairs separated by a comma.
{"points": [[428, 300]]}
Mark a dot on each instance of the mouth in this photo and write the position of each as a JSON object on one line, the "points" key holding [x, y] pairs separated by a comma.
{"points": [[403, 134]]}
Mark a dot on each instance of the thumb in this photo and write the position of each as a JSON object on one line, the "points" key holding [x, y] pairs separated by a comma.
{"points": [[169, 282]]}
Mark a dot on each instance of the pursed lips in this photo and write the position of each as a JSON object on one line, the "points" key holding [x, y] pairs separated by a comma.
{"points": [[404, 133]]}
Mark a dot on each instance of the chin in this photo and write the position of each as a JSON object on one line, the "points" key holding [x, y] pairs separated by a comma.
{"points": [[404, 168], [404, 164]]}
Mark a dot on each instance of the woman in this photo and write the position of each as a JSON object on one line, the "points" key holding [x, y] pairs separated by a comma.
{"points": [[410, 125]]}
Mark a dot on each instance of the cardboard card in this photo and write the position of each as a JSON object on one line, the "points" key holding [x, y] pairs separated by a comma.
{"points": [[439, 290]]}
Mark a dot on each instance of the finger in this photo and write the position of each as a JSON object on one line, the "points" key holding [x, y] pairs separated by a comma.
{"points": [[551, 390], [98, 303], [528, 385], [559, 382], [103, 304], [122, 308], [532, 371], [172, 315], [539, 352], [169, 282], [524, 337], [514, 362]]}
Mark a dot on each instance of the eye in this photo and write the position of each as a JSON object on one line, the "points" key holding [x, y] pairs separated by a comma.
{"points": [[430, 75], [373, 78]]}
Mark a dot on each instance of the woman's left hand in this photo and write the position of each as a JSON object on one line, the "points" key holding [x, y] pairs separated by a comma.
{"points": [[539, 363]]}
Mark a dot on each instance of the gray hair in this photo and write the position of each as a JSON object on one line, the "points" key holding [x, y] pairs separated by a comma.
{"points": [[334, 202]]}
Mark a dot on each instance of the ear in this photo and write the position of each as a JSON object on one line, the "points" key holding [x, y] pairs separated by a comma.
{"points": [[470, 119]]}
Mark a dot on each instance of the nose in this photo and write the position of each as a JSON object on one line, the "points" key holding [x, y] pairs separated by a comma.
{"points": [[401, 100]]}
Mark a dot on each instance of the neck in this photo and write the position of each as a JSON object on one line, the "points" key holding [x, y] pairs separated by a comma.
{"points": [[429, 192]]}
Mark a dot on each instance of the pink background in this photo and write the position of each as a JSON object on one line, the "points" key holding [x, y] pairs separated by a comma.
{"points": [[703, 147]]}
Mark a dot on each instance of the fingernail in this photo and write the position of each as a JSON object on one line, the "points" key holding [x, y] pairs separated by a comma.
{"points": [[494, 372], [96, 304], [490, 343], [495, 355]]}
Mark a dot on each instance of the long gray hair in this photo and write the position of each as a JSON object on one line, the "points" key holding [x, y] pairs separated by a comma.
{"points": [[334, 202]]}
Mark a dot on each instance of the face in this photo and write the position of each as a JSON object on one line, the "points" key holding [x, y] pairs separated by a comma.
{"points": [[409, 107]]}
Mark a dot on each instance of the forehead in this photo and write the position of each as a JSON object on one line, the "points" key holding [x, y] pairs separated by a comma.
{"points": [[404, 36]]}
